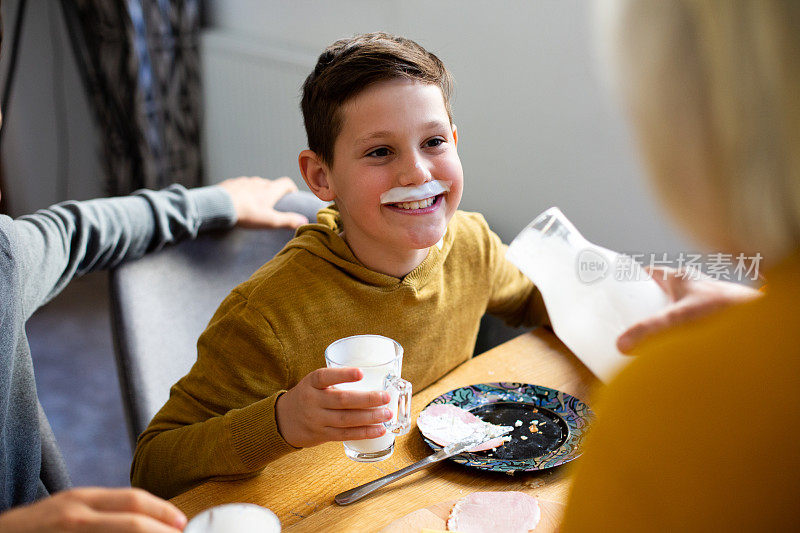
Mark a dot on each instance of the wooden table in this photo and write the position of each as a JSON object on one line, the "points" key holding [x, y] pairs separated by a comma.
{"points": [[300, 487]]}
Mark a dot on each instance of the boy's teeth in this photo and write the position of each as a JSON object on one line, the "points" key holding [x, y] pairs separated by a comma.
{"points": [[421, 204]]}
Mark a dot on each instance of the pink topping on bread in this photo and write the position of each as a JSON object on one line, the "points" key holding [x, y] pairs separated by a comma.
{"points": [[445, 424]]}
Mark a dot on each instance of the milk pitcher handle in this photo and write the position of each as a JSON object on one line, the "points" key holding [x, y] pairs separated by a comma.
{"points": [[400, 424]]}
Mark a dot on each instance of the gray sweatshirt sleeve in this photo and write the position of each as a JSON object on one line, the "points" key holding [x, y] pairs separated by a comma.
{"points": [[67, 240]]}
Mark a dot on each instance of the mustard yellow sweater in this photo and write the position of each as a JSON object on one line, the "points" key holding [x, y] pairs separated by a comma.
{"points": [[273, 329], [700, 432]]}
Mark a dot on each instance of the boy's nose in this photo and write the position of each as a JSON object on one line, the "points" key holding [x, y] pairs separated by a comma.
{"points": [[415, 172]]}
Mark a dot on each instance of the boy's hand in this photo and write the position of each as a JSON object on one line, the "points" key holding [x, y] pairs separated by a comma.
{"points": [[313, 411], [689, 299], [254, 200]]}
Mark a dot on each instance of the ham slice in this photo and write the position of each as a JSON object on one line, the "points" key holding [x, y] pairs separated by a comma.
{"points": [[445, 424], [485, 512]]}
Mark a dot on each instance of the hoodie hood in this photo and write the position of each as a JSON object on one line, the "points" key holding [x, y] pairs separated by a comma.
{"points": [[324, 240]]}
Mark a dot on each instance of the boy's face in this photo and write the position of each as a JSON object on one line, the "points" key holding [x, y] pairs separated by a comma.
{"points": [[394, 134]]}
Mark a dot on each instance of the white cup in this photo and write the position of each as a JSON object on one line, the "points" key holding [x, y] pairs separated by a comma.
{"points": [[235, 518], [380, 359]]}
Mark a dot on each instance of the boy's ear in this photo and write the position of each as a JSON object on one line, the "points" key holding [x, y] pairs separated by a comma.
{"points": [[455, 134], [316, 175]]}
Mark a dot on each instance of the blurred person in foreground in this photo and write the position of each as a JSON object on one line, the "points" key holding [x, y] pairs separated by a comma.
{"points": [[39, 255], [698, 433]]}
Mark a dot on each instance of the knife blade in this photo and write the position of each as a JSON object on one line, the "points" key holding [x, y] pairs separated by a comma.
{"points": [[475, 439]]}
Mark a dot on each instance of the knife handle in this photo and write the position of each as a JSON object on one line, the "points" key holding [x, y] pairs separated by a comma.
{"points": [[349, 496]]}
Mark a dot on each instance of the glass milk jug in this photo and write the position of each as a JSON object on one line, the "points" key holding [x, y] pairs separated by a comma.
{"points": [[592, 294]]}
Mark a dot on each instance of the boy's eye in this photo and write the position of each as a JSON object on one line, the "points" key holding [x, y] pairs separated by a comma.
{"points": [[379, 152], [433, 143]]}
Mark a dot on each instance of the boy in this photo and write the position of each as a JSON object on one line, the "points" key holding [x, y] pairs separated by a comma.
{"points": [[392, 256]]}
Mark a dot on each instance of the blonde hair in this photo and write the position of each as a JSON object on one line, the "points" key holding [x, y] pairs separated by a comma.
{"points": [[713, 87]]}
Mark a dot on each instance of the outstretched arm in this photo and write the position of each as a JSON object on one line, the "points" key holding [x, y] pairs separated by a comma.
{"points": [[52, 246]]}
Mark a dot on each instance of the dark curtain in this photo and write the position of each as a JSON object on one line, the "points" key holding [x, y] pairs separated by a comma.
{"points": [[139, 60]]}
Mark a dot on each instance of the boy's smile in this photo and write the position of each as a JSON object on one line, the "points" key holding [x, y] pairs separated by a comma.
{"points": [[415, 198], [396, 176]]}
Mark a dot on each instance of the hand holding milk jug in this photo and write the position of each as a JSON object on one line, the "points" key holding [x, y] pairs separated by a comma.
{"points": [[592, 294]]}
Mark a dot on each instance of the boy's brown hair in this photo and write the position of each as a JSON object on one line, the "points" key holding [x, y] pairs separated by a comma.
{"points": [[349, 66]]}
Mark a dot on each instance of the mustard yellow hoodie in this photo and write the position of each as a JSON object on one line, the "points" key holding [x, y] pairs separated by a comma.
{"points": [[273, 329]]}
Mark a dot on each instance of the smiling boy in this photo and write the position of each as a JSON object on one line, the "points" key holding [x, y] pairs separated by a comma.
{"points": [[395, 134], [392, 256]]}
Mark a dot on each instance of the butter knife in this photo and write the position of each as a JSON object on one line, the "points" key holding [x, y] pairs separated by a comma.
{"points": [[349, 496]]}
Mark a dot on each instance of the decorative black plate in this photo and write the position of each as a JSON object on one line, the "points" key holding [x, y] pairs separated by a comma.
{"points": [[555, 438]]}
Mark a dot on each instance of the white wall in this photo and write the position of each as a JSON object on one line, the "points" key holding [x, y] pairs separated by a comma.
{"points": [[535, 126], [46, 73]]}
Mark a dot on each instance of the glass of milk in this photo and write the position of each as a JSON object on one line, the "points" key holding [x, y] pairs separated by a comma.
{"points": [[380, 359], [235, 518]]}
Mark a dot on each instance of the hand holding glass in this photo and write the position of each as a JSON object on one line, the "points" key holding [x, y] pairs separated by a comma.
{"points": [[380, 360]]}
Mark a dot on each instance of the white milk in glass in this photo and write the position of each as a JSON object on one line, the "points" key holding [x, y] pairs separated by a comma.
{"points": [[380, 360], [235, 518], [373, 380]]}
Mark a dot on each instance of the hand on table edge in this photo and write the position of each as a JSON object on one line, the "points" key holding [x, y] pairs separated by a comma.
{"points": [[95, 509], [690, 299]]}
